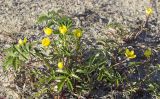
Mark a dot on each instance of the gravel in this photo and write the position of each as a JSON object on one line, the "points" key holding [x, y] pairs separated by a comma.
{"points": [[18, 17]]}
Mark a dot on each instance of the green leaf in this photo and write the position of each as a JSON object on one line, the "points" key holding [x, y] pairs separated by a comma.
{"points": [[50, 78], [148, 53], [50, 23], [60, 85], [69, 85], [53, 74], [100, 76], [117, 82], [8, 62], [42, 80], [60, 77], [42, 19], [20, 52], [62, 72], [107, 73], [33, 72], [42, 56], [75, 76], [65, 21], [81, 71], [53, 13], [40, 92], [94, 58], [134, 63], [16, 63], [27, 47], [151, 87], [56, 32], [158, 65]]}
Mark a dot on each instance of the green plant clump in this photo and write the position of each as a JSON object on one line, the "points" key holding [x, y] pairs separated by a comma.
{"points": [[56, 64]]}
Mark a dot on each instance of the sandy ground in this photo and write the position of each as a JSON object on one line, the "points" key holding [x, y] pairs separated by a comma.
{"points": [[18, 17]]}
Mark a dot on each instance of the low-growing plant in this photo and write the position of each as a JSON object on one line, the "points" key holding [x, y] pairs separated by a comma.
{"points": [[56, 55], [57, 63]]}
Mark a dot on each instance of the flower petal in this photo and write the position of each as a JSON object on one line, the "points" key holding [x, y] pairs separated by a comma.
{"points": [[132, 53], [127, 51]]}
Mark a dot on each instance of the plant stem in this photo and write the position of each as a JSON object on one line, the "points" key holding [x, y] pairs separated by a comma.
{"points": [[21, 53], [119, 63]]}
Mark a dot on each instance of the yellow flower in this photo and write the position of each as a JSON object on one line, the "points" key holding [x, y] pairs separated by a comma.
{"points": [[147, 53], [77, 33], [46, 42], [22, 42], [149, 11], [63, 29], [25, 40], [60, 65], [130, 54], [47, 31]]}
